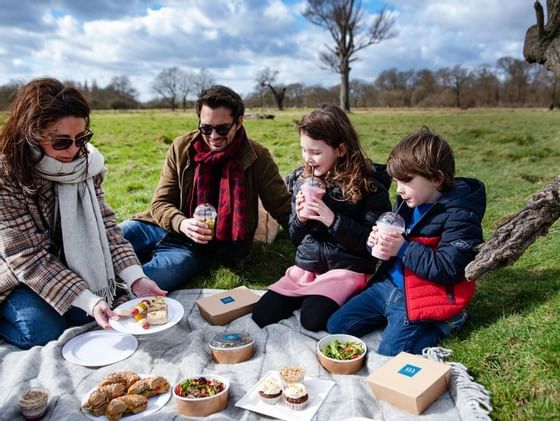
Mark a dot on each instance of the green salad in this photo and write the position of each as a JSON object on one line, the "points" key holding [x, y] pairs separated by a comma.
{"points": [[343, 350]]}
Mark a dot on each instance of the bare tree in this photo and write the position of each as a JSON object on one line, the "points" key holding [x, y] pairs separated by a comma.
{"points": [[203, 80], [167, 84], [511, 239], [265, 78], [347, 24]]}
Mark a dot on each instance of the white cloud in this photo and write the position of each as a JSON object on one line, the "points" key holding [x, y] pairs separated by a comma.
{"points": [[234, 39]]}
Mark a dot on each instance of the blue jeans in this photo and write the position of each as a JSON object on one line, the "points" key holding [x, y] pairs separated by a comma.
{"points": [[166, 258], [27, 320], [383, 304]]}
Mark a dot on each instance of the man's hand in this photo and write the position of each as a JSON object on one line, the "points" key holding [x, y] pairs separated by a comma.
{"points": [[196, 230]]}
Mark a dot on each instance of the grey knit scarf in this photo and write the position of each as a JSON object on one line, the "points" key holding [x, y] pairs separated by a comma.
{"points": [[84, 239]]}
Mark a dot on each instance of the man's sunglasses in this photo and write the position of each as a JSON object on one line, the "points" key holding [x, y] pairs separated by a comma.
{"points": [[221, 129], [61, 143]]}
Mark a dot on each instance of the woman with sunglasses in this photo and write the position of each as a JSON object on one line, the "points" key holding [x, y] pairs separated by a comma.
{"points": [[63, 259]]}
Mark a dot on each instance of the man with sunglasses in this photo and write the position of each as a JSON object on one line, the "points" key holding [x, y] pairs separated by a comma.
{"points": [[216, 164]]}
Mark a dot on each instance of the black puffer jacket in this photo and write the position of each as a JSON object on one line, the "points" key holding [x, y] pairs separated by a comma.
{"points": [[343, 244]]}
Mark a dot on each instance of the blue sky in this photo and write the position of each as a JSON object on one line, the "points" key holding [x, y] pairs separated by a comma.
{"points": [[234, 39]]}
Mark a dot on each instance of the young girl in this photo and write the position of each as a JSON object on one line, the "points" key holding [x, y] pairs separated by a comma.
{"points": [[332, 262]]}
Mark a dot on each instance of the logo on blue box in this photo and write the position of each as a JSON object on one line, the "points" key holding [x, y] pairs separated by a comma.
{"points": [[227, 300], [409, 370]]}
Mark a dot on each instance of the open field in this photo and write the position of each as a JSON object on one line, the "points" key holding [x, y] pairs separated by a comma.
{"points": [[511, 342]]}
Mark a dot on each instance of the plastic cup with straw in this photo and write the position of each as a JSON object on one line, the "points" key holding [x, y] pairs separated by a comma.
{"points": [[388, 222]]}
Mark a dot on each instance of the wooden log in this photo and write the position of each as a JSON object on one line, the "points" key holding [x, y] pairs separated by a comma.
{"points": [[514, 236]]}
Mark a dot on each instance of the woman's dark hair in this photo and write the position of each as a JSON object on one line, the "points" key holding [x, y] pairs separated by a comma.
{"points": [[36, 106], [221, 96], [351, 171]]}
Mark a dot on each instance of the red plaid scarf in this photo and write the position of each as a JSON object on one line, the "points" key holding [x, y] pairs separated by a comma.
{"points": [[232, 188]]}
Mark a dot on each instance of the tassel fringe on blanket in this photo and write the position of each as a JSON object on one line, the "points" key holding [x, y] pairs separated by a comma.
{"points": [[471, 398]]}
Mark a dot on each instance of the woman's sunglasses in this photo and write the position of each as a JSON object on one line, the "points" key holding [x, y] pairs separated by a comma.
{"points": [[221, 129], [61, 143]]}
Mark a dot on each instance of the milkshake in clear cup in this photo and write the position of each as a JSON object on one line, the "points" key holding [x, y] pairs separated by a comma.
{"points": [[313, 188], [206, 213], [386, 223]]}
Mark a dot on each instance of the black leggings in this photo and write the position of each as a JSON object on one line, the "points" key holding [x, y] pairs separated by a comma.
{"points": [[315, 310]]}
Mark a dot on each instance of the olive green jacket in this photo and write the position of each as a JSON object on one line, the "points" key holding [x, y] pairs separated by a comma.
{"points": [[171, 202]]}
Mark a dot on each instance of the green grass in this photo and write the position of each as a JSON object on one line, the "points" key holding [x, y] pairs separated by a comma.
{"points": [[511, 343]]}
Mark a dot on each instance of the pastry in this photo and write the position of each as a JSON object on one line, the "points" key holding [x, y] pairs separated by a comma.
{"points": [[295, 396], [270, 391], [115, 389], [157, 311], [127, 378], [149, 386], [132, 404], [97, 402]]}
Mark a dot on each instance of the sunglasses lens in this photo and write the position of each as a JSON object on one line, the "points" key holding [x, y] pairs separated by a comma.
{"points": [[61, 143], [221, 129]]}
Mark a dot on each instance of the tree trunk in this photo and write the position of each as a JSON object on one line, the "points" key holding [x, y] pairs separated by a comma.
{"points": [[345, 88], [513, 237]]}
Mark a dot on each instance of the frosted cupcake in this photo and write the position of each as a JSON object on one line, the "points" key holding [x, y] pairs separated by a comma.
{"points": [[295, 396], [291, 375], [270, 391]]}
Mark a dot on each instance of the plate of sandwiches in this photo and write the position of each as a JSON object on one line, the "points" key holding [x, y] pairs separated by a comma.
{"points": [[126, 395], [146, 315]]}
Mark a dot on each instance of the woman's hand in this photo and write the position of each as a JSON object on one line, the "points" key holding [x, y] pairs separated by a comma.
{"points": [[196, 230], [102, 313], [299, 207], [145, 286]]}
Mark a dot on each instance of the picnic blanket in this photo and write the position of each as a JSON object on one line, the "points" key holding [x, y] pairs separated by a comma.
{"points": [[182, 351]]}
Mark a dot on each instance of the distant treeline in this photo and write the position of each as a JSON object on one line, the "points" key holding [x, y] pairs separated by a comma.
{"points": [[509, 83]]}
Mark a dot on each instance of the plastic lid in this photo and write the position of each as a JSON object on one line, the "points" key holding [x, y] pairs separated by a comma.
{"points": [[315, 182], [205, 210], [391, 218], [230, 340]]}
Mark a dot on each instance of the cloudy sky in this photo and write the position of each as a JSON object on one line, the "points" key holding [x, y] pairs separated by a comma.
{"points": [[234, 39]]}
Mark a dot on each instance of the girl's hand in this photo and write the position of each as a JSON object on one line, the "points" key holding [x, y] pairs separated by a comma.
{"points": [[102, 313], [324, 214], [196, 230], [145, 286], [299, 207], [390, 243]]}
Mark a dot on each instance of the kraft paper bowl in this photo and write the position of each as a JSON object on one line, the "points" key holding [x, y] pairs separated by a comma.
{"points": [[340, 366], [202, 407], [232, 347]]}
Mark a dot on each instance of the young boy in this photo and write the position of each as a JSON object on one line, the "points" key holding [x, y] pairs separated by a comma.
{"points": [[420, 293]]}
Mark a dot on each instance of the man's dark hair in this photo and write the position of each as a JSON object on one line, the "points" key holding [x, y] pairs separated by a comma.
{"points": [[221, 96]]}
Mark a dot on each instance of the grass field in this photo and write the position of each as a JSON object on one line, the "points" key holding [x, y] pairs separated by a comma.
{"points": [[511, 343]]}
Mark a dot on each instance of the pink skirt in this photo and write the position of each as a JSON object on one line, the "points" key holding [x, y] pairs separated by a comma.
{"points": [[337, 284]]}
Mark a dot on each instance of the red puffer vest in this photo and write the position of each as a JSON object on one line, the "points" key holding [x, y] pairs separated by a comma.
{"points": [[427, 300]]}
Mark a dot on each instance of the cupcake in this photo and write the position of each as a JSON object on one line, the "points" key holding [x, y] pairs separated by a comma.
{"points": [[295, 396], [291, 375], [270, 391]]}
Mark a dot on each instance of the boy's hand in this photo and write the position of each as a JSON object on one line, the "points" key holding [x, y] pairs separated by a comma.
{"points": [[324, 214], [389, 243], [372, 239], [299, 207]]}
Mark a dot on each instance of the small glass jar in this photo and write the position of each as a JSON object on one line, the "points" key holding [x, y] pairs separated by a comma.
{"points": [[33, 403]]}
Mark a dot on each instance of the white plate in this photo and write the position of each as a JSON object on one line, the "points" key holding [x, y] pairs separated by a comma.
{"points": [[316, 388], [175, 312], [99, 347], [155, 403]]}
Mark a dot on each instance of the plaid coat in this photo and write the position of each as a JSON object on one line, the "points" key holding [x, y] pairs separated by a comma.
{"points": [[26, 240]]}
